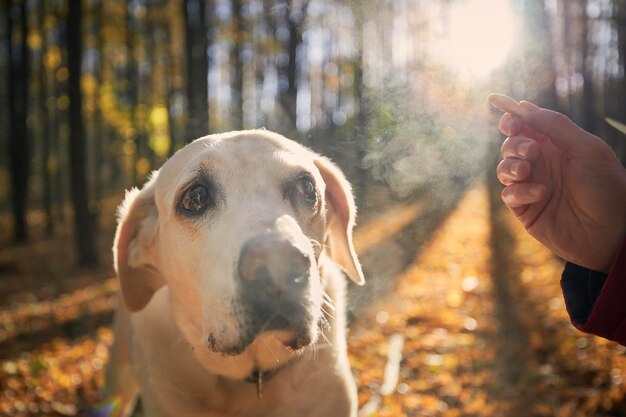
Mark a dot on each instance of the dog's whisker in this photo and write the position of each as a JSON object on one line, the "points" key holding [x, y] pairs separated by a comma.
{"points": [[329, 302], [325, 319], [326, 338], [330, 315], [271, 351], [325, 325], [318, 244], [327, 296], [329, 305]]}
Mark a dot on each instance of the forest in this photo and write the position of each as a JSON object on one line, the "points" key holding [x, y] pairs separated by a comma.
{"points": [[95, 95]]}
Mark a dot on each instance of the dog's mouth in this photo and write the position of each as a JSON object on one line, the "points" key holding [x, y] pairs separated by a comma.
{"points": [[293, 342], [288, 322]]}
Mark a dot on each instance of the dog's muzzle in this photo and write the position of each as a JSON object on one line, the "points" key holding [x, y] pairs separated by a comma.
{"points": [[275, 278]]}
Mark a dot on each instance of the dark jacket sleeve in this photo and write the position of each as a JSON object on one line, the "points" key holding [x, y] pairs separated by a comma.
{"points": [[596, 301]]}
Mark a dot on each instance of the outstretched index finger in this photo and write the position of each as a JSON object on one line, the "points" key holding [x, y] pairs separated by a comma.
{"points": [[506, 104]]}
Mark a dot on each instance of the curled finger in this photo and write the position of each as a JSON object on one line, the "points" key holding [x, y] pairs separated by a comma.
{"points": [[511, 170], [520, 147], [522, 194], [510, 125]]}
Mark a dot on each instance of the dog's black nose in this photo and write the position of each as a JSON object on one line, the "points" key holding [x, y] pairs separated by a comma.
{"points": [[274, 277], [273, 264]]}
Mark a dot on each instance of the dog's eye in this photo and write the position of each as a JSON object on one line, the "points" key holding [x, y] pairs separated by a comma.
{"points": [[305, 188], [195, 199]]}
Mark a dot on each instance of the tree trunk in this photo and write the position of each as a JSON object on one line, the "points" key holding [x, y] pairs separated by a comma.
{"points": [[237, 87], [588, 105], [564, 7], [622, 48], [18, 147], [362, 118], [269, 62], [57, 118], [132, 72], [60, 193], [100, 136], [288, 98], [168, 56], [83, 220], [46, 174], [197, 42], [620, 147]]}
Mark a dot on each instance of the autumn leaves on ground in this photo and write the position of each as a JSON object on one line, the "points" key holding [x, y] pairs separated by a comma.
{"points": [[474, 325]]}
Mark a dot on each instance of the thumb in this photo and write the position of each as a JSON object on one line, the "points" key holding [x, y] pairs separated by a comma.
{"points": [[564, 133]]}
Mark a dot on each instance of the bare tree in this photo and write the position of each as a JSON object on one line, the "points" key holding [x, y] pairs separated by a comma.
{"points": [[620, 108], [588, 104], [46, 177], [237, 87], [18, 146], [197, 43], [295, 12], [83, 219]]}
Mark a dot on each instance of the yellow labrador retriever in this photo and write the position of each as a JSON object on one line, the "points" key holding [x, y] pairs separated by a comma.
{"points": [[230, 265]]}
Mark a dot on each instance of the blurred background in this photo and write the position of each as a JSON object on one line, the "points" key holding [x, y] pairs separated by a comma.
{"points": [[96, 94]]}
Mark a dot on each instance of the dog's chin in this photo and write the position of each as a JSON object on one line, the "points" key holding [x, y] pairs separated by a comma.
{"points": [[267, 351], [279, 339], [292, 332]]}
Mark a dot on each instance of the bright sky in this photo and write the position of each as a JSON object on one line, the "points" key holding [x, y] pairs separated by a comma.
{"points": [[478, 37]]}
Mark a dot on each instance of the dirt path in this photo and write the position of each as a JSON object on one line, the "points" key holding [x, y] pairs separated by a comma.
{"points": [[485, 330]]}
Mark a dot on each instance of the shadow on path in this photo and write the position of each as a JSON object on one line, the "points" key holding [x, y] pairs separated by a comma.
{"points": [[394, 253], [514, 358]]}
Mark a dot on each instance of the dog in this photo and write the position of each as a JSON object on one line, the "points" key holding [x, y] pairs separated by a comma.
{"points": [[232, 262]]}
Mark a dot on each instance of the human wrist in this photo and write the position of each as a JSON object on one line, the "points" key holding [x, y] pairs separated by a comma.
{"points": [[616, 238], [615, 251]]}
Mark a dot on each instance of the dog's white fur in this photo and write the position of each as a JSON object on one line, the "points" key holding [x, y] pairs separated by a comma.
{"points": [[179, 285]]}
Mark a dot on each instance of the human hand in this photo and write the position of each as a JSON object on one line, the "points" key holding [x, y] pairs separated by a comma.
{"points": [[565, 185]]}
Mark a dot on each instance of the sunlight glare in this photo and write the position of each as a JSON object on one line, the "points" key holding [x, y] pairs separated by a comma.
{"points": [[478, 37]]}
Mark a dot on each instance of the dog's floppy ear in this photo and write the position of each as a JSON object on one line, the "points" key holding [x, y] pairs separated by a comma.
{"points": [[134, 247], [340, 219]]}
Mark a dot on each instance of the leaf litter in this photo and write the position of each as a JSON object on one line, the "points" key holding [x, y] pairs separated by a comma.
{"points": [[461, 333]]}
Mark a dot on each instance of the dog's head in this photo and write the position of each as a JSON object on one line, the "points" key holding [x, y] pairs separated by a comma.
{"points": [[236, 225]]}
